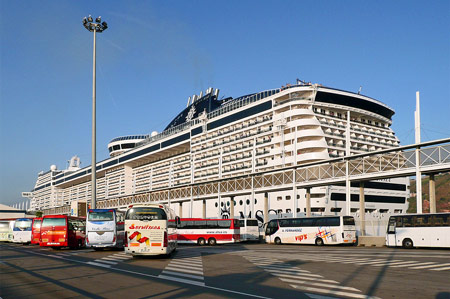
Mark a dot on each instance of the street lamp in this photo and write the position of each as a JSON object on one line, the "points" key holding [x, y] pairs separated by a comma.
{"points": [[97, 26]]}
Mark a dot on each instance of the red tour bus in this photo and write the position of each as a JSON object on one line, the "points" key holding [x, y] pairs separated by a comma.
{"points": [[36, 231], [211, 231], [63, 231]]}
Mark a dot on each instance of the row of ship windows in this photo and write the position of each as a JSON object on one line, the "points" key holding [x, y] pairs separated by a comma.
{"points": [[232, 128], [344, 117], [234, 138], [365, 131]]}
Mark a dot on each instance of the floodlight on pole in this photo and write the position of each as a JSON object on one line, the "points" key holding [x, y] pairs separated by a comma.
{"points": [[95, 27]]}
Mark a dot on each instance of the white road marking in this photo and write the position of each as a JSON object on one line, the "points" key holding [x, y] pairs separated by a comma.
{"points": [[184, 270], [108, 262], [336, 293], [440, 269], [182, 280], [98, 264], [292, 273], [430, 266], [304, 278], [183, 274]]}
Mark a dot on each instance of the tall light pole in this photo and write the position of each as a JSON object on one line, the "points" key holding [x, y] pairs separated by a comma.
{"points": [[97, 26]]}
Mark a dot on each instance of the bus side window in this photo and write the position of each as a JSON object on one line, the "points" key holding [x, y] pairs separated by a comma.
{"points": [[200, 224], [399, 222], [334, 221], [408, 221], [211, 224], [422, 221]]}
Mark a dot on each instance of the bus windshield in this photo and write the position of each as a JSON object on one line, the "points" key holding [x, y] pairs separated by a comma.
{"points": [[4, 227], [22, 224], [37, 223], [48, 222], [101, 216], [145, 213]]}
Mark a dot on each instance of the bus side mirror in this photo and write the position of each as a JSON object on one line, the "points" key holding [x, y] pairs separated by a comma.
{"points": [[177, 221]]}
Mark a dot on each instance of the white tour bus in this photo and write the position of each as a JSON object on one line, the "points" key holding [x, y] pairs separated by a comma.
{"points": [[249, 229], [312, 230], [419, 230], [22, 230], [104, 230], [149, 231]]}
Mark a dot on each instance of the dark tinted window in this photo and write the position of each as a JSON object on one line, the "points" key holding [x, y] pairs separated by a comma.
{"points": [[320, 222], [241, 223], [48, 222], [187, 224], [236, 223], [200, 224], [334, 221], [408, 221], [440, 220], [252, 222], [348, 220], [307, 222], [212, 224], [146, 213], [423, 220], [284, 222], [224, 223]]}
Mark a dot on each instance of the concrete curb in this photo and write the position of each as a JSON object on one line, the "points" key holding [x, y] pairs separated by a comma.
{"points": [[371, 241]]}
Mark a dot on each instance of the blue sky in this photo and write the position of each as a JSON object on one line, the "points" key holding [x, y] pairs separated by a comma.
{"points": [[155, 54]]}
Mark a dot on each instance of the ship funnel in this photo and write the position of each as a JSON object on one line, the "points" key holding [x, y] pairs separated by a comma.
{"points": [[189, 101], [209, 90], [201, 94], [216, 93], [194, 98]]}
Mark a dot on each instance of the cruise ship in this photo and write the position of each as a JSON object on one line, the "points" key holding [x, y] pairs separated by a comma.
{"points": [[217, 138]]}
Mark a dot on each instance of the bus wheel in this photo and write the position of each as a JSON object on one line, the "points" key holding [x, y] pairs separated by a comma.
{"points": [[201, 242], [277, 241], [408, 244], [319, 242], [212, 241]]}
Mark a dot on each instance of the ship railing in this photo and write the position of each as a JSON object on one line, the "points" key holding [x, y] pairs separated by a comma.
{"points": [[169, 132]]}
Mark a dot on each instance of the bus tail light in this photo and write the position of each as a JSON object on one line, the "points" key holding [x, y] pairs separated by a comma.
{"points": [[125, 241], [87, 240], [165, 239], [114, 239]]}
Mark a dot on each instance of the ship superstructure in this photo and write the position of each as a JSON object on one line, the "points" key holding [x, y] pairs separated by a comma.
{"points": [[216, 138]]}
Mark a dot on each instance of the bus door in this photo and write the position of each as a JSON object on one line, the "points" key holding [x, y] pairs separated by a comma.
{"points": [[270, 229], [390, 234]]}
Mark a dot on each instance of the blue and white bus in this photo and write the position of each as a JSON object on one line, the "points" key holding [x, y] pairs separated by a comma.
{"points": [[104, 230], [22, 230]]}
